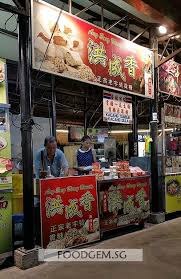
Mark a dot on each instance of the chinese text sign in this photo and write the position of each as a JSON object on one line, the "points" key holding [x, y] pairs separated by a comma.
{"points": [[79, 50], [117, 108], [69, 211], [123, 202]]}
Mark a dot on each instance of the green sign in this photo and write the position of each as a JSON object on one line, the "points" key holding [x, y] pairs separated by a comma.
{"points": [[5, 225]]}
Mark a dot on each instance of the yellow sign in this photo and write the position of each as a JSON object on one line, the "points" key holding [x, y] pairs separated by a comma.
{"points": [[173, 193]]}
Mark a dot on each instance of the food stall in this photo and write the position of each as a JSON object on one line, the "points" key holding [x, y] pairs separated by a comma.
{"points": [[124, 195], [73, 48], [79, 209], [169, 86], [171, 136], [5, 170]]}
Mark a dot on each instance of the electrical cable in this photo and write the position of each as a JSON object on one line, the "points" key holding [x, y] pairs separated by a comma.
{"points": [[5, 24], [55, 26]]}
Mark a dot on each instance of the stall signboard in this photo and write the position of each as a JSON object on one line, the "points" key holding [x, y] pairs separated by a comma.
{"points": [[123, 202], [68, 46], [3, 92], [170, 78], [173, 193], [172, 114], [69, 211], [5, 142], [5, 225], [117, 108]]}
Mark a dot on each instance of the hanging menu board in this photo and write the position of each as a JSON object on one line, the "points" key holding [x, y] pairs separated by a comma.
{"points": [[170, 78], [117, 108], [68, 46], [172, 114]]}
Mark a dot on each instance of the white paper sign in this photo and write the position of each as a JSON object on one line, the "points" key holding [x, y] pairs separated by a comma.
{"points": [[117, 108]]}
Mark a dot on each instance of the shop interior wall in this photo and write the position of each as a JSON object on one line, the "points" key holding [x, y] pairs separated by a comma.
{"points": [[41, 129]]}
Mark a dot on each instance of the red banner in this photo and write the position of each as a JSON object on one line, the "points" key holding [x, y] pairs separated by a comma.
{"points": [[69, 211], [66, 45], [123, 202], [170, 78]]}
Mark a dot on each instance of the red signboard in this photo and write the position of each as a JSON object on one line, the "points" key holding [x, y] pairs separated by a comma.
{"points": [[68, 46], [170, 78], [69, 211], [123, 202]]}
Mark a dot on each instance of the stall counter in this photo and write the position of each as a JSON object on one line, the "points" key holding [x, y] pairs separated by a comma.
{"points": [[74, 209], [123, 202]]}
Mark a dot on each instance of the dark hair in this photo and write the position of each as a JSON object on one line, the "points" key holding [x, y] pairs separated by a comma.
{"points": [[85, 138], [49, 139]]}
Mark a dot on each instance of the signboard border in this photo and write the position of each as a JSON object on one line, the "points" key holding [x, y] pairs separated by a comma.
{"points": [[73, 78]]}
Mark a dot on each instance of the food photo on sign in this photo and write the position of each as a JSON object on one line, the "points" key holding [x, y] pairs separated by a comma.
{"points": [[66, 45], [170, 78]]}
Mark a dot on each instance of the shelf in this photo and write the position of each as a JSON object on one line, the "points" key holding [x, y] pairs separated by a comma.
{"points": [[98, 155], [173, 173], [6, 190]]}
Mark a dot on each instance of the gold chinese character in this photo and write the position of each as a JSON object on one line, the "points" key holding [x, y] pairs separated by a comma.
{"points": [[86, 200], [97, 53], [129, 205], [72, 209], [53, 229], [54, 206], [140, 198], [131, 65], [61, 227], [59, 236], [52, 237], [115, 201], [115, 67]]}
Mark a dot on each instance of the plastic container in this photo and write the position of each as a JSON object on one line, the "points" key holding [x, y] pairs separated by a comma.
{"points": [[17, 203]]}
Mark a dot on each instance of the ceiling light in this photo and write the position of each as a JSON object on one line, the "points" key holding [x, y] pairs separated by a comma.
{"points": [[177, 37], [162, 29]]}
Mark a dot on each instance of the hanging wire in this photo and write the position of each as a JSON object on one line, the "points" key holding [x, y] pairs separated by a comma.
{"points": [[50, 40], [5, 24]]}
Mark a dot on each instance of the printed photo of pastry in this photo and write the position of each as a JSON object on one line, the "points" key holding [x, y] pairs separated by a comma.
{"points": [[58, 48]]}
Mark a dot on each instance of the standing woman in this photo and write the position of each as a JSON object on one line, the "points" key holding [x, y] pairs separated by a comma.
{"points": [[85, 155]]}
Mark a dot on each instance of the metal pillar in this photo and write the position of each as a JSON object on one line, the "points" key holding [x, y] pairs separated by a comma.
{"points": [[70, 6], [85, 117], [135, 127], [128, 29], [102, 16], [53, 105], [26, 131], [156, 188], [133, 137]]}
